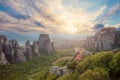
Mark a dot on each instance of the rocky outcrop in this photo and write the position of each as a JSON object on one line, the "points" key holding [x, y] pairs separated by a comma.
{"points": [[11, 52], [44, 43], [19, 56], [14, 44], [35, 48], [3, 39], [28, 52], [104, 39], [2, 57], [56, 70], [7, 49]]}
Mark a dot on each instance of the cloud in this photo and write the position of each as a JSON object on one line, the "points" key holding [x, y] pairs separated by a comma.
{"points": [[48, 16], [115, 10]]}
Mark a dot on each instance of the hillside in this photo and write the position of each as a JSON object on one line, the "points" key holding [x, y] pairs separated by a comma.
{"points": [[101, 66]]}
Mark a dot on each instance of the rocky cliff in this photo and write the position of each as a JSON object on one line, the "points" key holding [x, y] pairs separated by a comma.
{"points": [[105, 39]]}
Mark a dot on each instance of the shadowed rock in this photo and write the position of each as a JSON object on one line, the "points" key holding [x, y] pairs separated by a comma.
{"points": [[8, 52], [3, 39], [19, 56], [44, 43], [2, 57], [28, 52], [14, 44], [35, 48]]}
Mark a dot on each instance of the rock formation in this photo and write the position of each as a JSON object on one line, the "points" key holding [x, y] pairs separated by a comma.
{"points": [[3, 39], [104, 39], [14, 44], [7, 49], [2, 57], [44, 43], [28, 52], [19, 56], [35, 48], [59, 71]]}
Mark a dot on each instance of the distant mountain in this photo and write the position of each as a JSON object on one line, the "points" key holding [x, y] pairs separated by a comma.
{"points": [[12, 35]]}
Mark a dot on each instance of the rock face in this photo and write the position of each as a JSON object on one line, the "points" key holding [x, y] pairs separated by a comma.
{"points": [[28, 52], [10, 51], [35, 48], [3, 39], [7, 49], [104, 39], [19, 56], [44, 43], [59, 70], [14, 44], [2, 57]]}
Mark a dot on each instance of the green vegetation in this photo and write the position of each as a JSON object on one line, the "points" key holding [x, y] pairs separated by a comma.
{"points": [[99, 66], [37, 69]]}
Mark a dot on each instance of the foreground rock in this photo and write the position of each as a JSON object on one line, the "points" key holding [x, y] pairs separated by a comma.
{"points": [[45, 43], [79, 53], [59, 70]]}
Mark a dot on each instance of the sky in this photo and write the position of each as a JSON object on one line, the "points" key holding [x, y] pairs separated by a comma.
{"points": [[63, 18]]}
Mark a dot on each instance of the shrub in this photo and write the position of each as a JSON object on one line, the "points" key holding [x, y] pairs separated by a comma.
{"points": [[115, 65], [72, 76], [95, 60], [96, 74]]}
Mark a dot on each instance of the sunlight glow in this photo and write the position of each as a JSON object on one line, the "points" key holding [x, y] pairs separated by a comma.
{"points": [[72, 29]]}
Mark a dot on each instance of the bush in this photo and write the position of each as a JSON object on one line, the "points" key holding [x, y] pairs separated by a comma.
{"points": [[96, 74], [72, 76], [95, 60], [115, 65], [72, 65]]}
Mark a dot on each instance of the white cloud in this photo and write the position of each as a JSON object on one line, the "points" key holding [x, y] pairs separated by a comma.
{"points": [[53, 15]]}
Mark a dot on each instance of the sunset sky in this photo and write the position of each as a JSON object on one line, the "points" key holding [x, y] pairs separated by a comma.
{"points": [[58, 17]]}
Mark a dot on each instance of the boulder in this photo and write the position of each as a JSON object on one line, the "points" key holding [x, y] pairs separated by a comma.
{"points": [[45, 43], [59, 71], [28, 52], [35, 48], [55, 70]]}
